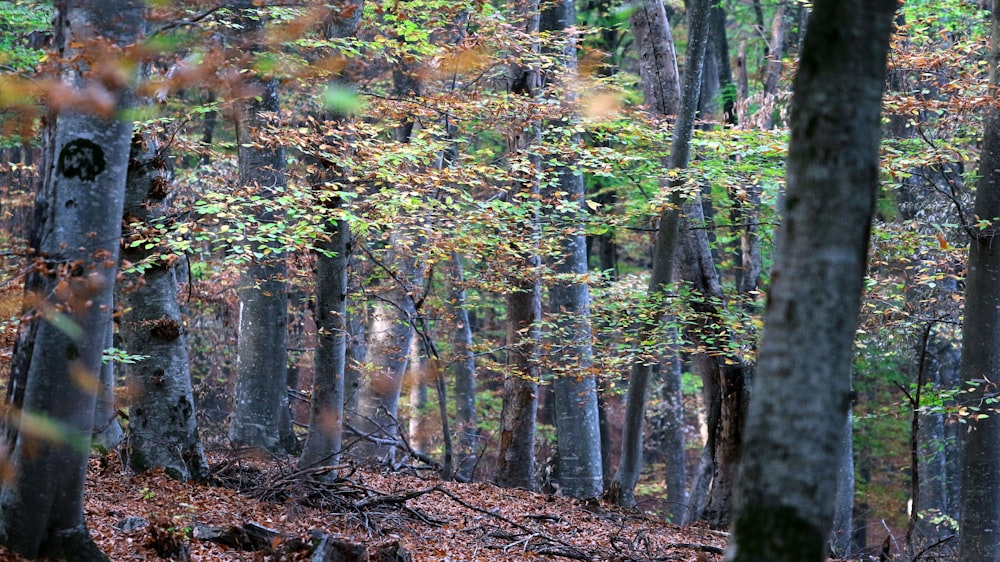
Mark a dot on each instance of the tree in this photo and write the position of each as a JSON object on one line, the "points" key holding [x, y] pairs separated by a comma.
{"points": [[524, 301], [664, 96], [76, 232], [784, 498], [980, 367], [163, 430], [578, 438], [394, 313], [261, 401], [325, 437]]}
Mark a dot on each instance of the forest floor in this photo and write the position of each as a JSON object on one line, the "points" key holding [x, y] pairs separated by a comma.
{"points": [[263, 509]]}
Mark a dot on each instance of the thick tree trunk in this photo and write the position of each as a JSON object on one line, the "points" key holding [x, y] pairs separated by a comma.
{"points": [[163, 431], [78, 226], [261, 366], [578, 432], [520, 387], [785, 497], [980, 497], [524, 306]]}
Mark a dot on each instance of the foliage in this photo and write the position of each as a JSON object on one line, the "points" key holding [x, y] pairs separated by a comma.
{"points": [[448, 186]]}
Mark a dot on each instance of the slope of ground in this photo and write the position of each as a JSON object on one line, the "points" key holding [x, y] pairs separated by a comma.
{"points": [[263, 509]]}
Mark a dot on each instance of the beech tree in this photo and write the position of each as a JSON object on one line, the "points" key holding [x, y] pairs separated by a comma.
{"points": [[324, 440], [75, 234], [785, 495], [578, 441], [524, 301], [664, 95], [260, 405], [980, 366], [162, 431]]}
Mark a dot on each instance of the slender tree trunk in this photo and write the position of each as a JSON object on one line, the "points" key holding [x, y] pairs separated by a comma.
{"points": [[785, 497], [78, 225], [646, 23], [842, 537], [325, 438], [719, 38], [163, 431], [464, 372], [775, 51], [980, 497], [660, 83], [672, 427], [108, 433]]}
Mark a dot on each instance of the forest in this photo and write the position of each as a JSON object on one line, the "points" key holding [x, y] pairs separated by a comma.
{"points": [[721, 267]]}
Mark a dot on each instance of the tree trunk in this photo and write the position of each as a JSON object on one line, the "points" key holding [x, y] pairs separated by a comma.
{"points": [[672, 428], [108, 433], [772, 72], [794, 433], [719, 38], [324, 440], [325, 437], [163, 431], [261, 366], [660, 83], [578, 434], [464, 372], [78, 226], [980, 496], [391, 336], [842, 537], [524, 306]]}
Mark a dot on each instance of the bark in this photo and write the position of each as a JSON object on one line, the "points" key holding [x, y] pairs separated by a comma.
{"points": [[719, 370], [659, 77], [772, 73], [578, 435], [672, 428], [357, 349], [980, 496], [419, 434], [163, 432], [842, 536], [793, 442], [394, 315], [464, 372], [668, 235], [720, 40], [524, 306], [325, 437], [324, 440], [661, 85], [78, 225], [108, 432], [261, 366]]}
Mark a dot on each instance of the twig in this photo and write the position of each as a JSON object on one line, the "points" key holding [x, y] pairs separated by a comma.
{"points": [[932, 545]]}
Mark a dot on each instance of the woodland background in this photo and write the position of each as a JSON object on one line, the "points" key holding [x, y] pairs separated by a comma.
{"points": [[442, 140]]}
